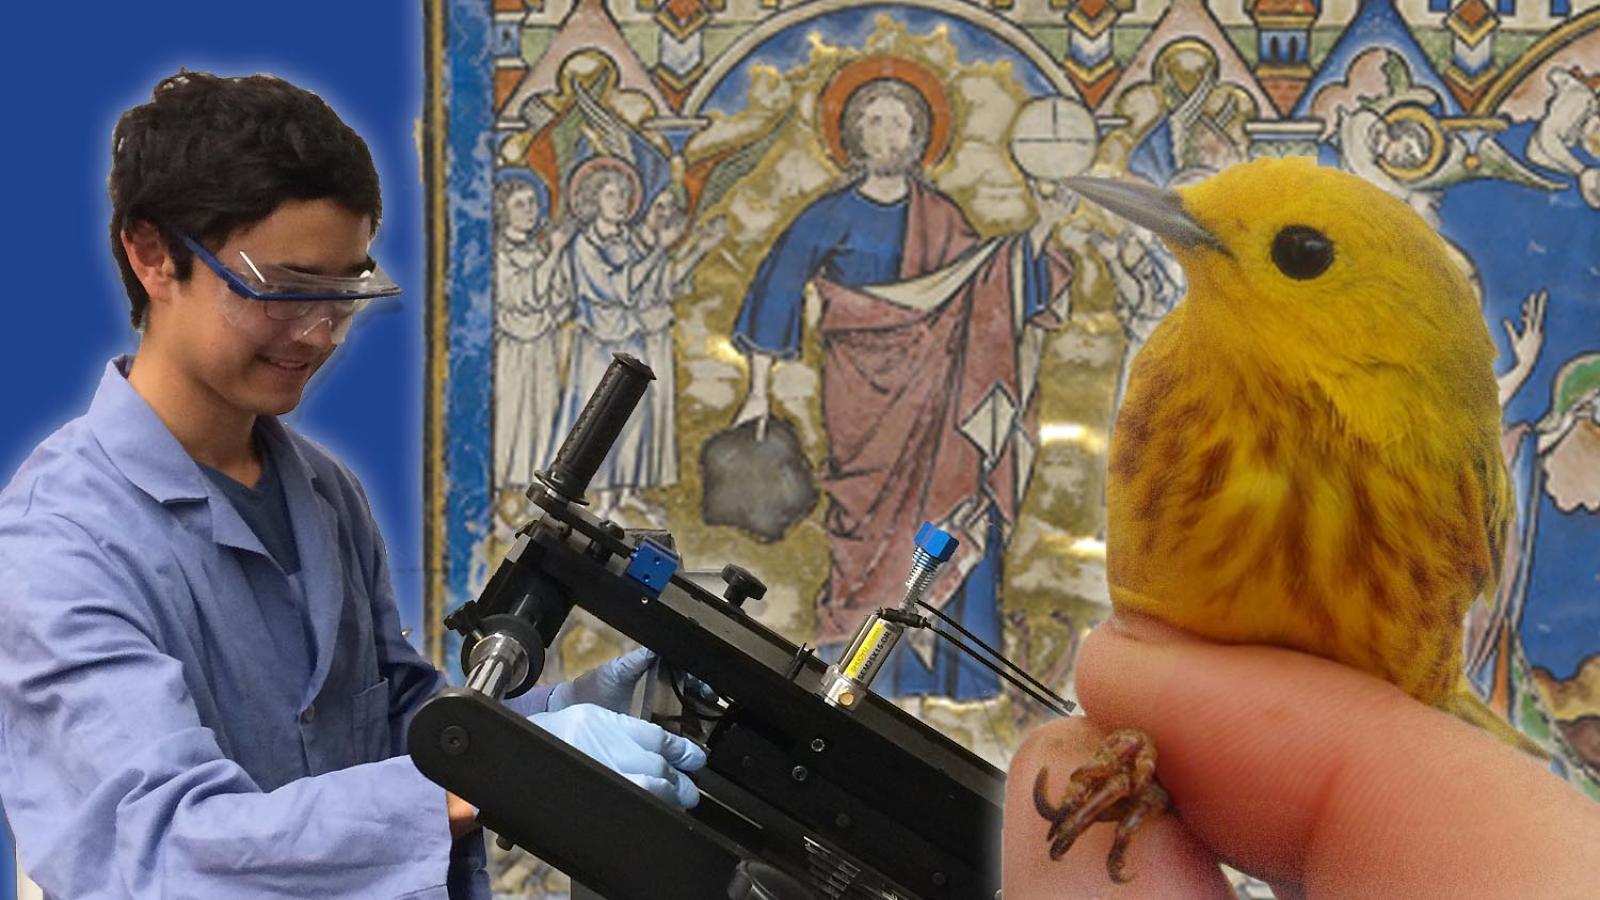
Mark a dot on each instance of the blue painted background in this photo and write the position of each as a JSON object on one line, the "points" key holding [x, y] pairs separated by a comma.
{"points": [[1525, 240], [70, 70]]}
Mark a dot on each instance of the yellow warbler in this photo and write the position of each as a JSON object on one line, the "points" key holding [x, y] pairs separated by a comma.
{"points": [[1308, 452]]}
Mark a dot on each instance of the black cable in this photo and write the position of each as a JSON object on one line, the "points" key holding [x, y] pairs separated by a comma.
{"points": [[689, 711], [997, 655], [672, 673], [1053, 703]]}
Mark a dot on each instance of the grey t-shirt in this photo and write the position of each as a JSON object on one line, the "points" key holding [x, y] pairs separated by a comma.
{"points": [[264, 508]]}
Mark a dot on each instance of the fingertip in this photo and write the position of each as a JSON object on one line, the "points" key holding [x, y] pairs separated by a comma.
{"points": [[637, 659], [681, 752], [688, 793], [660, 788], [691, 758], [677, 750], [1114, 667]]}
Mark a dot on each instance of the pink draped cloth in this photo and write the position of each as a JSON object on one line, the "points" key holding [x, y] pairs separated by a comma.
{"points": [[898, 383]]}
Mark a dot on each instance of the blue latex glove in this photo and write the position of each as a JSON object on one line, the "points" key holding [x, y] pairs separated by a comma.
{"points": [[639, 751], [609, 684]]}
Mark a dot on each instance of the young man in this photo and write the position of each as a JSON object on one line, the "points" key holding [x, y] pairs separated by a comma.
{"points": [[204, 688]]}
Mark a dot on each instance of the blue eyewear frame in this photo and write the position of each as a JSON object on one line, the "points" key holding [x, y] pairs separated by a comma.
{"points": [[239, 285]]}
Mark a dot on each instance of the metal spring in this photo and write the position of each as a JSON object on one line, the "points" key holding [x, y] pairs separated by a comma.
{"points": [[924, 569]]}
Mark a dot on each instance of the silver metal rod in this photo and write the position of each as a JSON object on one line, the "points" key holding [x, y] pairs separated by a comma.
{"points": [[498, 662], [489, 678]]}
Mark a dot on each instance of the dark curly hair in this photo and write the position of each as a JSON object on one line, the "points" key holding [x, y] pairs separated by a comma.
{"points": [[207, 156]]}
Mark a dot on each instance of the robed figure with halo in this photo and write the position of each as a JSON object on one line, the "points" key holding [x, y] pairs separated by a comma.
{"points": [[930, 338]]}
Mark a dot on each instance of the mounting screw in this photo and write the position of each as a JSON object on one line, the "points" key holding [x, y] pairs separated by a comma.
{"points": [[939, 880], [454, 741], [842, 820], [742, 585], [749, 763], [818, 745], [799, 773]]}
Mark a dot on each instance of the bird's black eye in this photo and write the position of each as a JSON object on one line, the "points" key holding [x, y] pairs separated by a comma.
{"points": [[1302, 253]]}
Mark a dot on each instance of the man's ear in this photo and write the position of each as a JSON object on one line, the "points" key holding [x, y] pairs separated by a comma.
{"points": [[149, 259]]}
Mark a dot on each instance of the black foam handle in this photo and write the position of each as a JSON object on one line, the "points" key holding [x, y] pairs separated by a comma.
{"points": [[602, 419]]}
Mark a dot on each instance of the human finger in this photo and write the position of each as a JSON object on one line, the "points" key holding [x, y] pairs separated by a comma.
{"points": [[1163, 859], [1315, 775], [629, 667], [680, 752], [660, 788]]}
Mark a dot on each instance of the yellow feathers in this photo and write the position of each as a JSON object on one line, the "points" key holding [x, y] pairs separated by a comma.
{"points": [[1308, 452]]}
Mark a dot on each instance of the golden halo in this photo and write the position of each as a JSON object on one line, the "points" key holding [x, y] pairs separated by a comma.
{"points": [[845, 82], [596, 164]]}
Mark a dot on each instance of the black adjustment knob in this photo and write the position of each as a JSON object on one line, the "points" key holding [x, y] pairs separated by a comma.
{"points": [[742, 585]]}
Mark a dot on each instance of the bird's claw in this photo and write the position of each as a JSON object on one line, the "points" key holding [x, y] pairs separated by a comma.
{"points": [[1117, 785]]}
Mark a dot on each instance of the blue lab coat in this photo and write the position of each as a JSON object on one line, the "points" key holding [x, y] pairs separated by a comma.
{"points": [[150, 745]]}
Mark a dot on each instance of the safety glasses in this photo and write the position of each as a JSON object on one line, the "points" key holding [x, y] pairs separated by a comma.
{"points": [[270, 302]]}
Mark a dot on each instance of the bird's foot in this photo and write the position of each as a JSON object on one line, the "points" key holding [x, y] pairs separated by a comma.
{"points": [[1117, 785]]}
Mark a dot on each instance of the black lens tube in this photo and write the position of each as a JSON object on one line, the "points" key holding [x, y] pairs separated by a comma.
{"points": [[602, 419]]}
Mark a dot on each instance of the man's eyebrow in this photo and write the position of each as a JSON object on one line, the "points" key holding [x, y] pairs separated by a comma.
{"points": [[351, 271]]}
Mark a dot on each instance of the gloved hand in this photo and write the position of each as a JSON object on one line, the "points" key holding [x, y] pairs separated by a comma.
{"points": [[639, 751], [609, 684]]}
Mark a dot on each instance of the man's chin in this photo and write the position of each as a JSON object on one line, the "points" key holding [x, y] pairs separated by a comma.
{"points": [[271, 403], [274, 392], [280, 407], [888, 170]]}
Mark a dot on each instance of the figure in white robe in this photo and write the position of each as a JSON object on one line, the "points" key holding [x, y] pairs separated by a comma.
{"points": [[664, 225], [623, 281], [529, 312]]}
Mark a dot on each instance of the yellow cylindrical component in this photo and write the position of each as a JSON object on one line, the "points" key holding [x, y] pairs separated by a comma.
{"points": [[849, 679], [864, 650]]}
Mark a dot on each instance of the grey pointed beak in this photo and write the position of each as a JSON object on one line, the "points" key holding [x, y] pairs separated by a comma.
{"points": [[1149, 207]]}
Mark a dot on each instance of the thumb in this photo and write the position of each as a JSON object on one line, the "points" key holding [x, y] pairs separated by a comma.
{"points": [[1303, 771], [630, 666]]}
